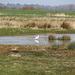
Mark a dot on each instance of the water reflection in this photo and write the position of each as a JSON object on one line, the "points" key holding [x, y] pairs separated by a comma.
{"points": [[30, 40]]}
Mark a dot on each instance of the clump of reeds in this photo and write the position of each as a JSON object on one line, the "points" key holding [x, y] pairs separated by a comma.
{"points": [[66, 25], [71, 46], [64, 37], [44, 25], [31, 24], [51, 37]]}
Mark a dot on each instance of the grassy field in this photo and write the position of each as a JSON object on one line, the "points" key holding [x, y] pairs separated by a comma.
{"points": [[29, 31], [36, 18], [36, 60], [30, 64], [37, 12]]}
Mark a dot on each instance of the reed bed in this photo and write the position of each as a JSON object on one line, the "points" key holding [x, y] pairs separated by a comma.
{"points": [[66, 25], [40, 22], [51, 37], [71, 46], [64, 37]]}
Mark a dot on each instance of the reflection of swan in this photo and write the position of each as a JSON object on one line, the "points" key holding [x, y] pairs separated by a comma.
{"points": [[37, 37], [37, 41]]}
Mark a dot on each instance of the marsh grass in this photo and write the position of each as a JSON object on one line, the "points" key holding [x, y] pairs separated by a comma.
{"points": [[27, 31], [71, 46], [64, 37], [34, 65], [55, 46], [43, 25], [31, 24], [51, 37], [66, 25], [38, 53]]}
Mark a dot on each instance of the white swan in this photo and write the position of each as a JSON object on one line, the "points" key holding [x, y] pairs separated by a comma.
{"points": [[37, 37]]}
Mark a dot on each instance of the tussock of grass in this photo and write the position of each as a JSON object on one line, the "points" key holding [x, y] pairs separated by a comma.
{"points": [[51, 37], [66, 25], [43, 25], [71, 46], [31, 24], [64, 37]]}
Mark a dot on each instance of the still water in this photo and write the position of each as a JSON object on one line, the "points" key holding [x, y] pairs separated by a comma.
{"points": [[30, 40]]}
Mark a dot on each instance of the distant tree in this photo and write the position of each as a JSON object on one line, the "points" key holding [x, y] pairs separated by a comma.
{"points": [[4, 7], [71, 7], [27, 8], [38, 8], [30, 8]]}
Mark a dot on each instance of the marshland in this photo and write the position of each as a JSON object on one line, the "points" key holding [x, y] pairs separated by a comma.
{"points": [[52, 54]]}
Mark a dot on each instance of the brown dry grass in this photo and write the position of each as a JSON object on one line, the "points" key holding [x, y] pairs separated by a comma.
{"points": [[40, 22], [31, 24], [43, 25], [66, 25]]}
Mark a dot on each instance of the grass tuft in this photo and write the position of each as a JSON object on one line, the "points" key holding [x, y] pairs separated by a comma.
{"points": [[51, 37], [71, 46], [31, 24], [65, 37], [66, 25], [44, 25]]}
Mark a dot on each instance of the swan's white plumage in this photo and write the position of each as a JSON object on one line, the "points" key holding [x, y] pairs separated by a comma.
{"points": [[37, 37]]}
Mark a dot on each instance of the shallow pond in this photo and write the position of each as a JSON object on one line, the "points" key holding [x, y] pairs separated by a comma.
{"points": [[30, 40]]}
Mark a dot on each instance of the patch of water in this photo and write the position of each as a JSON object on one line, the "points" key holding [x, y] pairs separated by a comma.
{"points": [[30, 40]]}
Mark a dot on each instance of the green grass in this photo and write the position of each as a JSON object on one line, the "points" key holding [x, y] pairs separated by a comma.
{"points": [[37, 12], [35, 65], [64, 37], [25, 31], [71, 46]]}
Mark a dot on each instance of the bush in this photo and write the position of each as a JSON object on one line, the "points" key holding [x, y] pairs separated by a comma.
{"points": [[65, 37], [71, 46], [66, 25], [51, 37]]}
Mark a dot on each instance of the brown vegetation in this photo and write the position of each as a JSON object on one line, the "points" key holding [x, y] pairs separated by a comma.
{"points": [[44, 25], [66, 25], [40, 22], [5, 49], [65, 37]]}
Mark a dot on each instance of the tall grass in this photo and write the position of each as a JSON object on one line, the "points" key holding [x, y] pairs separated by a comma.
{"points": [[31, 24], [71, 46], [64, 37], [43, 25], [51, 37], [66, 25]]}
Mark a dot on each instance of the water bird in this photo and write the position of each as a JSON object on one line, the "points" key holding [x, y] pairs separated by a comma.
{"points": [[36, 38]]}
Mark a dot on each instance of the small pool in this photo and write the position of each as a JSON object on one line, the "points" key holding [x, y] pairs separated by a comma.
{"points": [[30, 40]]}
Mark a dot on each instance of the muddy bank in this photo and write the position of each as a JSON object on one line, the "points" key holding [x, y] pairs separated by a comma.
{"points": [[6, 49]]}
